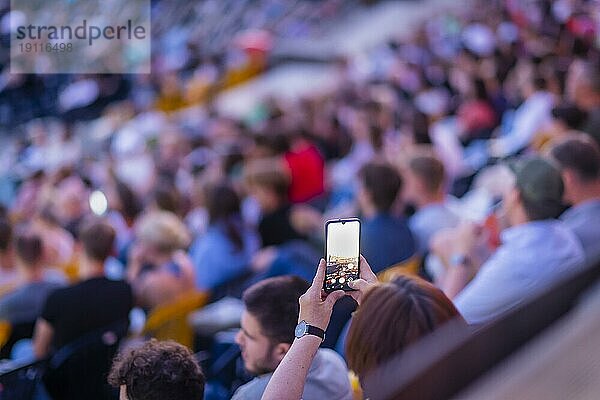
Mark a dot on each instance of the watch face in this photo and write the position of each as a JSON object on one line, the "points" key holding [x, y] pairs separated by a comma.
{"points": [[301, 329]]}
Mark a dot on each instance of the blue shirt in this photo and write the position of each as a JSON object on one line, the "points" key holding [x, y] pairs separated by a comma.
{"points": [[386, 240], [531, 258], [216, 258], [296, 257], [584, 220]]}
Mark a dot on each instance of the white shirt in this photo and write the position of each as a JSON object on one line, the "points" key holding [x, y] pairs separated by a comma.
{"points": [[531, 258], [429, 220], [528, 118]]}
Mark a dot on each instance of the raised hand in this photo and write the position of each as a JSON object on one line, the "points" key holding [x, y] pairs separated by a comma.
{"points": [[315, 305], [367, 280]]}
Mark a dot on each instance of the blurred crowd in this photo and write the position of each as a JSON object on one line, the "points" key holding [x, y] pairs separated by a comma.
{"points": [[469, 150], [198, 49]]}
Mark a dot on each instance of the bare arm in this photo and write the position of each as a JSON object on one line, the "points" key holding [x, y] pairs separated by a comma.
{"points": [[464, 241], [42, 338], [289, 377], [455, 280]]}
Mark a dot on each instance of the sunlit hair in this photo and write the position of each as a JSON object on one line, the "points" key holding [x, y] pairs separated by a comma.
{"points": [[163, 230]]}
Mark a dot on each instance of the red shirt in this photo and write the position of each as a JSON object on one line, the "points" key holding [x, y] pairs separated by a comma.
{"points": [[307, 171]]}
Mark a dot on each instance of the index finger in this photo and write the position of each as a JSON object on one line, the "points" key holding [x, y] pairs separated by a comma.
{"points": [[366, 272], [317, 283]]}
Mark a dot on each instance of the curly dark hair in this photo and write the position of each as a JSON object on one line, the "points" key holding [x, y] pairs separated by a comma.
{"points": [[157, 371]]}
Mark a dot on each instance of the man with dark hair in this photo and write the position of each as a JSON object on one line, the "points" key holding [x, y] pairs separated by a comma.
{"points": [[579, 161], [24, 304], [425, 179], [87, 307], [97, 240], [385, 238], [156, 371], [536, 250], [266, 334]]}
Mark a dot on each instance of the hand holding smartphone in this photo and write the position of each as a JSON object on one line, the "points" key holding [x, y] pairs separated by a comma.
{"points": [[342, 253]]}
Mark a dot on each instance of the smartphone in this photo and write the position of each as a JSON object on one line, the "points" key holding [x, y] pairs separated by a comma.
{"points": [[342, 253]]}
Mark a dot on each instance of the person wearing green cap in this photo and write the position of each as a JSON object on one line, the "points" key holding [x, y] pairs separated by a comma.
{"points": [[536, 249]]}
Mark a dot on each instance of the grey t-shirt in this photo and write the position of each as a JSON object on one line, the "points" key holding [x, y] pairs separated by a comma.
{"points": [[25, 303], [327, 379]]}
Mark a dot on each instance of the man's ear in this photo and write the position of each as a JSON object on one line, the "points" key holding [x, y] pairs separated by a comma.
{"points": [[511, 199], [569, 178], [514, 196], [280, 350]]}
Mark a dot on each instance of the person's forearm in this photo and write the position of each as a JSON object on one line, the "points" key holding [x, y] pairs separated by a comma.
{"points": [[455, 280], [288, 379], [42, 337]]}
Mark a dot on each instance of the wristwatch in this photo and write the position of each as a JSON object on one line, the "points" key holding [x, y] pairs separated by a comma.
{"points": [[460, 260], [303, 329]]}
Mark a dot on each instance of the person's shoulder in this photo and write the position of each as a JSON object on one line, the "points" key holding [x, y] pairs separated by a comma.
{"points": [[62, 291], [215, 236], [331, 356], [328, 377], [10, 298], [39, 288], [101, 285], [398, 222], [60, 297], [403, 230], [562, 231], [118, 285], [385, 221], [49, 286], [570, 243], [104, 281], [253, 389], [580, 214]]}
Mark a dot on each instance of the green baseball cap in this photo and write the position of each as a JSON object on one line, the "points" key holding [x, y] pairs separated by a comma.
{"points": [[540, 184]]}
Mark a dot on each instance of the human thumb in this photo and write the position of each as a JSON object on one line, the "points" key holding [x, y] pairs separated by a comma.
{"points": [[358, 284]]}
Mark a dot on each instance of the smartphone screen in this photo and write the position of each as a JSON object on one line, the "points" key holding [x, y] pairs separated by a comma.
{"points": [[342, 250]]}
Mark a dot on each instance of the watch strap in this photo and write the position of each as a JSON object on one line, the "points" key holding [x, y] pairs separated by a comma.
{"points": [[313, 330], [303, 329]]}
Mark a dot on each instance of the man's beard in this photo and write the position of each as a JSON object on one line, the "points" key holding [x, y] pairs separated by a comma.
{"points": [[264, 365]]}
